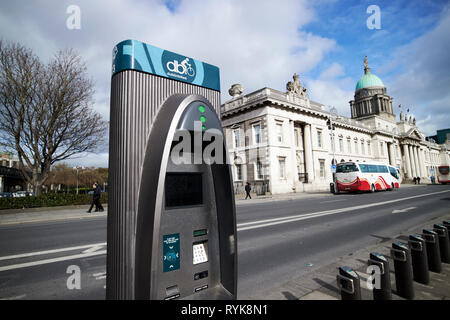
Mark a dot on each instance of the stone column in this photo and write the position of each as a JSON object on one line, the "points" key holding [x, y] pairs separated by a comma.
{"points": [[391, 154], [416, 160], [308, 153], [413, 164], [293, 155], [422, 162], [407, 164]]}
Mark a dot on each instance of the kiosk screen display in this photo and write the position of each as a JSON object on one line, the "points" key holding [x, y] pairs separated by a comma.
{"points": [[183, 189]]}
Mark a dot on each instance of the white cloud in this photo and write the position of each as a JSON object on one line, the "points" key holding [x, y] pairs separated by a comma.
{"points": [[255, 43], [423, 85]]}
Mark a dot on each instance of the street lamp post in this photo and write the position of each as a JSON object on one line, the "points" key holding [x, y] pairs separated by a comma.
{"points": [[76, 168], [333, 113]]}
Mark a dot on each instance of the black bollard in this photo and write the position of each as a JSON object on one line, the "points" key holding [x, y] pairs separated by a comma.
{"points": [[403, 270], [384, 290], [433, 251], [444, 245], [446, 224], [419, 258], [349, 284]]}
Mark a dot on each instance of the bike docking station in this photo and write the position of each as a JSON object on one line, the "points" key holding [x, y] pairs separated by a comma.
{"points": [[384, 290], [419, 258], [401, 255], [348, 282], [171, 210]]}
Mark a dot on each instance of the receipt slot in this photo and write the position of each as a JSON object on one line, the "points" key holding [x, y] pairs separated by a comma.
{"points": [[171, 211]]}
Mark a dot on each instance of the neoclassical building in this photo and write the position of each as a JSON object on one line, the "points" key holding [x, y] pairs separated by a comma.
{"points": [[283, 142]]}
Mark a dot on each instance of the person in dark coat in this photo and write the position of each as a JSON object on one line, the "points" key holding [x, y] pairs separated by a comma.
{"points": [[96, 199], [247, 190]]}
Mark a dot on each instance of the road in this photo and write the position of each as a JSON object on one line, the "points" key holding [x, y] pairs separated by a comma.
{"points": [[277, 241]]}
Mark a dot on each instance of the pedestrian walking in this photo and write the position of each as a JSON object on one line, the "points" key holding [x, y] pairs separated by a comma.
{"points": [[418, 180], [96, 199], [415, 180], [247, 190]]}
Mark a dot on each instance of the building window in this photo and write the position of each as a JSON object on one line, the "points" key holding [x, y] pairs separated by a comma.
{"points": [[279, 131], [322, 168], [362, 148], [349, 146], [237, 138], [341, 145], [259, 170], [319, 138], [369, 149], [239, 172], [296, 138], [356, 146], [257, 133], [282, 167]]}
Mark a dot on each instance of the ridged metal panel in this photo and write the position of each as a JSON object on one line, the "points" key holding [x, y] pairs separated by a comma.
{"points": [[135, 100]]}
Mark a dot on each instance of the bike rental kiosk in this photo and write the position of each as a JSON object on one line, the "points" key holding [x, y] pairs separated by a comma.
{"points": [[171, 211]]}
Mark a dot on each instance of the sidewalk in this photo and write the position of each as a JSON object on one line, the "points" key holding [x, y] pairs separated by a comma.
{"points": [[47, 214], [240, 198], [321, 284]]}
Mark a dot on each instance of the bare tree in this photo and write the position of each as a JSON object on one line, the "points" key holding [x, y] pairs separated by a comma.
{"points": [[46, 110]]}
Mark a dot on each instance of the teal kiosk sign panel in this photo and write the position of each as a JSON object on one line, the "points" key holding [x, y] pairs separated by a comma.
{"points": [[171, 252], [136, 55]]}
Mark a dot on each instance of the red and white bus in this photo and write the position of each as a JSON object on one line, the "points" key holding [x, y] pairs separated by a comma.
{"points": [[356, 176], [443, 175]]}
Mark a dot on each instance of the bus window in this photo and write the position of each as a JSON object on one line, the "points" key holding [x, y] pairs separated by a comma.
{"points": [[393, 172], [443, 169], [382, 169], [364, 167], [347, 168]]}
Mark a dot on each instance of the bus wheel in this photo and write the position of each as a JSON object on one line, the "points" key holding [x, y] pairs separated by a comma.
{"points": [[372, 188]]}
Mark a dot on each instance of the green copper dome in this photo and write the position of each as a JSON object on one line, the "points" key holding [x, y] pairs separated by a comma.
{"points": [[369, 80]]}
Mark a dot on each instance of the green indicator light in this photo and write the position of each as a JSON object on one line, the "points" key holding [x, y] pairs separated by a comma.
{"points": [[201, 109], [202, 119], [203, 128]]}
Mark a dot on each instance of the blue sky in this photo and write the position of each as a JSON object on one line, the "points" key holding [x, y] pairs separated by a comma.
{"points": [[260, 43]]}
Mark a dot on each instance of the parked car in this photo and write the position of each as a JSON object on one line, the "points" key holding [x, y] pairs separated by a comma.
{"points": [[6, 194]]}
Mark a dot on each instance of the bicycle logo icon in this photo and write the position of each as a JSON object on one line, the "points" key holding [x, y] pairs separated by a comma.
{"points": [[183, 68]]}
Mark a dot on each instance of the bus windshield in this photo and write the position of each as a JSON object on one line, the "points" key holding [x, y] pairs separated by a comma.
{"points": [[347, 168], [443, 170]]}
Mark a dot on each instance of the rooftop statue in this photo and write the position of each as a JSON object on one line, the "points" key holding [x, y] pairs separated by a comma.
{"points": [[296, 87]]}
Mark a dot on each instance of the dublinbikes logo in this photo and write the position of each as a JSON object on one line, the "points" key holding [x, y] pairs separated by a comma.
{"points": [[177, 66]]}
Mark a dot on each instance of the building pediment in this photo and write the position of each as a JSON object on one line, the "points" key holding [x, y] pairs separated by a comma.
{"points": [[415, 134]]}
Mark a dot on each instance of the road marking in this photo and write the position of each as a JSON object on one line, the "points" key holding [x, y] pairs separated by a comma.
{"points": [[276, 221], [38, 253], [41, 262], [15, 297], [99, 276], [403, 210], [334, 200], [94, 248]]}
